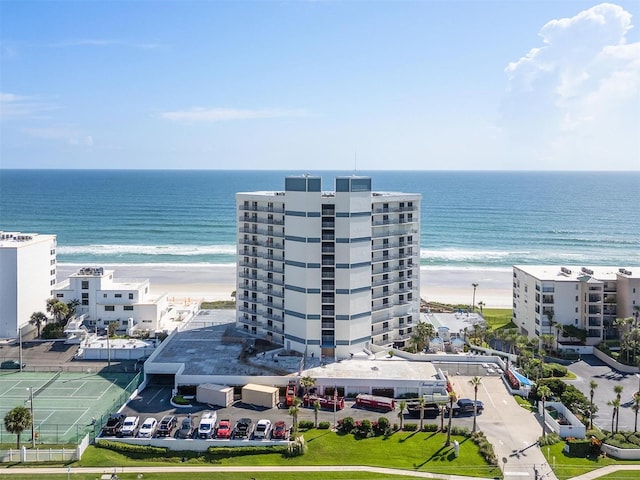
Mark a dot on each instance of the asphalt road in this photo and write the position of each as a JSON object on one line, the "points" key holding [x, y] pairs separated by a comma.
{"points": [[591, 368]]}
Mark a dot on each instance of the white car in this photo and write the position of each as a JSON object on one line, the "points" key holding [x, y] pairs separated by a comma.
{"points": [[263, 428], [207, 425], [148, 428], [129, 427]]}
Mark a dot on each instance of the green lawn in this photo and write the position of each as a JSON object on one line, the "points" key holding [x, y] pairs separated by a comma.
{"points": [[568, 467], [621, 475], [219, 476], [498, 317], [422, 451]]}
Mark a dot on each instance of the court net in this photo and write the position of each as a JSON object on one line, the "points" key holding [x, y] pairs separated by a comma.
{"points": [[39, 390]]}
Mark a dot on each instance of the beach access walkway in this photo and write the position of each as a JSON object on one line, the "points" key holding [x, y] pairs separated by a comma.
{"points": [[257, 469]]}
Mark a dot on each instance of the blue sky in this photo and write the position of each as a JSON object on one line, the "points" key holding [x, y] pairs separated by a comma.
{"points": [[428, 85]]}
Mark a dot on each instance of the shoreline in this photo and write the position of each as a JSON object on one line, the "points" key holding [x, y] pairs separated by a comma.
{"points": [[216, 282]]}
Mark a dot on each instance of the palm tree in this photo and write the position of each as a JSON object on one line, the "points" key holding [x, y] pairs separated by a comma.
{"points": [[452, 399], [592, 389], [17, 420], [473, 302], [544, 392], [421, 403], [307, 382], [72, 305], [38, 319], [401, 406], [558, 330], [422, 335], [636, 408], [481, 304], [618, 390], [615, 404], [58, 310], [475, 382], [316, 409], [294, 409]]}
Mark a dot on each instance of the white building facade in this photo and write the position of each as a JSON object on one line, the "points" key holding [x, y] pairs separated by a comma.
{"points": [[328, 273], [27, 277], [127, 302], [588, 298]]}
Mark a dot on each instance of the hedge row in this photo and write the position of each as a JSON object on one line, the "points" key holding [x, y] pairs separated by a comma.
{"points": [[129, 448]]}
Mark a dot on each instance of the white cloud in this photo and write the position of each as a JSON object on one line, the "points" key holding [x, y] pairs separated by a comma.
{"points": [[18, 106], [199, 114], [575, 99], [67, 134]]}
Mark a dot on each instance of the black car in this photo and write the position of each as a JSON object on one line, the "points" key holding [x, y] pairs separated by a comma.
{"points": [[166, 426], [243, 428], [11, 365], [113, 425], [464, 406], [431, 410]]}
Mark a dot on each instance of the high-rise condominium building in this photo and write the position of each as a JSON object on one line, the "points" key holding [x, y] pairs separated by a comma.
{"points": [[547, 297], [328, 272], [27, 276]]}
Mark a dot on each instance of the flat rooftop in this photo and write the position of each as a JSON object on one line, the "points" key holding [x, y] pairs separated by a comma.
{"points": [[559, 273], [386, 368]]}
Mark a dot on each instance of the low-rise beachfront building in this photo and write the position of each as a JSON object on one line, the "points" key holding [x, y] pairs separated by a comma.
{"points": [[27, 276], [548, 297], [127, 302], [328, 273]]}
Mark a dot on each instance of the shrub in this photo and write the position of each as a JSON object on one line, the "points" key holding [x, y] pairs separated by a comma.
{"points": [[127, 448], [305, 424], [549, 439], [363, 429], [242, 451], [462, 431], [484, 447], [297, 448], [430, 427], [324, 425], [383, 427], [410, 427], [180, 400], [52, 330], [346, 425]]}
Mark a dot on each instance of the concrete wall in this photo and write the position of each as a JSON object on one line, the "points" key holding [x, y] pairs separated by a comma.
{"points": [[614, 364], [575, 428], [621, 453]]}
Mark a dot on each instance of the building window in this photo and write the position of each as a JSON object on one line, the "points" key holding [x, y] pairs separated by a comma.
{"points": [[60, 295], [85, 285], [85, 302], [118, 295], [109, 308], [131, 296], [128, 307], [85, 295], [104, 295]]}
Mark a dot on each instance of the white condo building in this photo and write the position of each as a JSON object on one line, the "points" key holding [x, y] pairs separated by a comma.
{"points": [[589, 298], [27, 276], [328, 273], [127, 302]]}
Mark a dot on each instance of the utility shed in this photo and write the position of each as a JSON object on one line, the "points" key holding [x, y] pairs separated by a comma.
{"points": [[260, 395], [212, 394]]}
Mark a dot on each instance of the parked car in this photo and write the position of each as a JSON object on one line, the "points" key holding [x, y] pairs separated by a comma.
{"points": [[280, 431], [243, 428], [464, 406], [431, 410], [224, 429], [185, 428], [263, 429], [129, 427], [207, 425], [113, 425], [148, 428], [11, 365], [166, 426]]}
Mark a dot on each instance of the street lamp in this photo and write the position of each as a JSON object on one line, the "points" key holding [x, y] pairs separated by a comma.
{"points": [[33, 419], [473, 302]]}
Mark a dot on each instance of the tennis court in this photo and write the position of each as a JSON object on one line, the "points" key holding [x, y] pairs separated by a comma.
{"points": [[64, 404]]}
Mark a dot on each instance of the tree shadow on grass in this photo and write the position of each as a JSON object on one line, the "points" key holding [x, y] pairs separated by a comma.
{"points": [[443, 453], [404, 439]]}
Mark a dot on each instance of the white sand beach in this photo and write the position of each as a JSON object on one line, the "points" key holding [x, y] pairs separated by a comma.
{"points": [[216, 282]]}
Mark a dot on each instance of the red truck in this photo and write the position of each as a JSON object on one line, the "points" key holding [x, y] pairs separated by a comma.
{"points": [[374, 402], [291, 391], [325, 402]]}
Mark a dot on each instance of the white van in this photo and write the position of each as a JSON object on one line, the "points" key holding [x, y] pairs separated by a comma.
{"points": [[207, 425]]}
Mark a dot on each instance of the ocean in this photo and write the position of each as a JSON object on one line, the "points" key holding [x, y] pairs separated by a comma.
{"points": [[470, 220]]}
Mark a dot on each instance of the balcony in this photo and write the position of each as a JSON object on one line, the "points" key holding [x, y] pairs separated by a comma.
{"points": [[261, 208], [261, 231], [268, 221], [383, 306], [273, 328], [595, 298]]}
